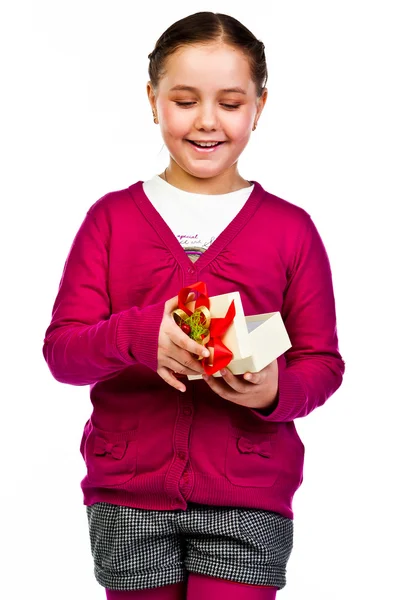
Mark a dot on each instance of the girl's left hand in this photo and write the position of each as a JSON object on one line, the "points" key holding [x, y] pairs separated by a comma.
{"points": [[254, 390]]}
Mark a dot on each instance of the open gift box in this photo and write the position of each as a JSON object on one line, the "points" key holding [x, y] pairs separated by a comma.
{"points": [[254, 341]]}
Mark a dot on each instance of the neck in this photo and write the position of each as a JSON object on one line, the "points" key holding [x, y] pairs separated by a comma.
{"points": [[228, 181]]}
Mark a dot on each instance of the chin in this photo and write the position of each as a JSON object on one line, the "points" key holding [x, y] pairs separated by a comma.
{"points": [[206, 175], [199, 172]]}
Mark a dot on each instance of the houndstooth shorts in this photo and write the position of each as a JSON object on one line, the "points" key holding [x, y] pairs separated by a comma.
{"points": [[135, 549]]}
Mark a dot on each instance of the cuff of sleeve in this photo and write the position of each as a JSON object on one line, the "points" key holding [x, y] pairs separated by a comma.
{"points": [[290, 396], [137, 334]]}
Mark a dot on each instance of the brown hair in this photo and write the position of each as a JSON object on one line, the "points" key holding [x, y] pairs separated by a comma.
{"points": [[203, 27]]}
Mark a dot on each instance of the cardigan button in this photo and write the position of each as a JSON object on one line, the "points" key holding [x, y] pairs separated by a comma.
{"points": [[181, 455], [187, 411]]}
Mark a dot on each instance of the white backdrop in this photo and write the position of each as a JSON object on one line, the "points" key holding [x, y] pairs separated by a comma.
{"points": [[75, 124]]}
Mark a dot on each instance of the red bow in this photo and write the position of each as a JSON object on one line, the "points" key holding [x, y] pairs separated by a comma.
{"points": [[221, 355], [246, 447], [102, 446]]}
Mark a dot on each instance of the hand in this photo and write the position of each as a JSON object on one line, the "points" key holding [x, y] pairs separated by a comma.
{"points": [[175, 350], [254, 390]]}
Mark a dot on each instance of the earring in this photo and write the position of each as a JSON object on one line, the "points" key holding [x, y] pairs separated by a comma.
{"points": [[254, 127], [155, 117]]}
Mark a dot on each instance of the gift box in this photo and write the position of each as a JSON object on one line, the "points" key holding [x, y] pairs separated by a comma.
{"points": [[246, 343]]}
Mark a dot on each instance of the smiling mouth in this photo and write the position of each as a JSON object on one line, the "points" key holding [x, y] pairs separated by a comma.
{"points": [[205, 144]]}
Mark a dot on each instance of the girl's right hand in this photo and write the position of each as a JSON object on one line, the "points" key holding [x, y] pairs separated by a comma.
{"points": [[175, 350]]}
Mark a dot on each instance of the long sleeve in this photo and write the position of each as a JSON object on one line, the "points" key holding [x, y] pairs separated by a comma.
{"points": [[314, 367], [85, 342]]}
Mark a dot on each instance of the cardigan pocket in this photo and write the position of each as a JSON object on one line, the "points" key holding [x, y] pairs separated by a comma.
{"points": [[257, 457], [250, 458], [110, 456]]}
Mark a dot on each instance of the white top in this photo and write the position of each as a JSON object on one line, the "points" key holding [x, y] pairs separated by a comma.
{"points": [[195, 219]]}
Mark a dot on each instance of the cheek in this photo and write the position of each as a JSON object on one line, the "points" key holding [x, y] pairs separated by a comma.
{"points": [[240, 133], [174, 122], [239, 128]]}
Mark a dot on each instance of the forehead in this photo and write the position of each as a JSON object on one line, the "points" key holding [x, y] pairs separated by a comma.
{"points": [[208, 66]]}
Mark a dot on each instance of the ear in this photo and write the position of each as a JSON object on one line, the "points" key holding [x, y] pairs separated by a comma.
{"points": [[261, 102], [151, 96]]}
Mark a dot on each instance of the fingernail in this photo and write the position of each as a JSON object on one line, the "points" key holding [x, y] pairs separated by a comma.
{"points": [[248, 376], [206, 353], [223, 372], [205, 377]]}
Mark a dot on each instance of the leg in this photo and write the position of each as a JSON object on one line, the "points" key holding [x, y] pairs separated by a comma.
{"points": [[167, 592], [201, 587]]}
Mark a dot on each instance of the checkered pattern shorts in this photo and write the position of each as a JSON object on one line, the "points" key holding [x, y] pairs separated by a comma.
{"points": [[135, 549]]}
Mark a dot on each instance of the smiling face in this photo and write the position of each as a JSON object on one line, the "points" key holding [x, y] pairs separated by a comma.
{"points": [[207, 105]]}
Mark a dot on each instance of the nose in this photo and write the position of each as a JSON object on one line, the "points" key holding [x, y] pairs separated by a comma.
{"points": [[207, 118]]}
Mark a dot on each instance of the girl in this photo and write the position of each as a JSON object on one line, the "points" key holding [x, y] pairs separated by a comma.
{"points": [[190, 483]]}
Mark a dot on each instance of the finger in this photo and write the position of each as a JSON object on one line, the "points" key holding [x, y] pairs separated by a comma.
{"points": [[183, 341], [235, 382], [255, 378], [181, 369], [173, 303], [185, 361], [169, 378], [220, 387], [188, 363], [217, 384]]}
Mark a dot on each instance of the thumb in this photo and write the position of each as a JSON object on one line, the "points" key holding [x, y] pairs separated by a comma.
{"points": [[171, 304], [255, 378]]}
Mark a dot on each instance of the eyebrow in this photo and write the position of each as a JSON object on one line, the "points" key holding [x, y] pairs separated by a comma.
{"points": [[188, 88]]}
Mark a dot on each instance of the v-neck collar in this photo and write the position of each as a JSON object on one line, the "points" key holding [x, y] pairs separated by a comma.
{"points": [[172, 243]]}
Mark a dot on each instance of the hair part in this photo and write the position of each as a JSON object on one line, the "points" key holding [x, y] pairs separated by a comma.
{"points": [[206, 27]]}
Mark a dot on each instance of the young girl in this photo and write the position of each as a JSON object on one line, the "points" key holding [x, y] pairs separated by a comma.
{"points": [[190, 483]]}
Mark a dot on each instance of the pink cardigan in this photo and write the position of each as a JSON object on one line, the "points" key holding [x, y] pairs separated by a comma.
{"points": [[147, 445]]}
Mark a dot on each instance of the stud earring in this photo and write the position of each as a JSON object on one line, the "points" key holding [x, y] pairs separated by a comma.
{"points": [[155, 117], [254, 127]]}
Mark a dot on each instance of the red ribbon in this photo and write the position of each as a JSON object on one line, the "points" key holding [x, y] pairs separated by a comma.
{"points": [[218, 326]]}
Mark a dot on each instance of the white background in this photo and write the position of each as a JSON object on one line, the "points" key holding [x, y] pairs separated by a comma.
{"points": [[75, 124]]}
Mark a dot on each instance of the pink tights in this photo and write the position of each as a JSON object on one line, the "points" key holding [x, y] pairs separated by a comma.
{"points": [[199, 587]]}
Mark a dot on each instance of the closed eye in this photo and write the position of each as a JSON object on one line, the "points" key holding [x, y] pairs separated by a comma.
{"points": [[188, 104]]}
